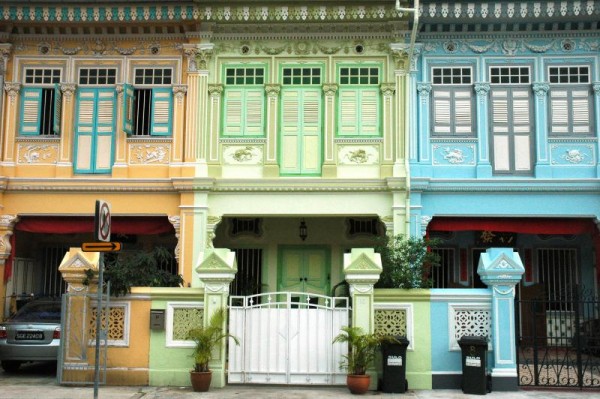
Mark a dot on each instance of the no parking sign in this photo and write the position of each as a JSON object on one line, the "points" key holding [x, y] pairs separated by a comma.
{"points": [[102, 221]]}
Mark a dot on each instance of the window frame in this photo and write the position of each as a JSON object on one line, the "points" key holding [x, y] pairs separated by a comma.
{"points": [[573, 102], [513, 128], [41, 103], [353, 122], [244, 101], [158, 121], [456, 92]]}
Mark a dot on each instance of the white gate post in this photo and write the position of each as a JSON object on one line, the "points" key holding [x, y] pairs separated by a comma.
{"points": [[362, 268], [217, 269]]}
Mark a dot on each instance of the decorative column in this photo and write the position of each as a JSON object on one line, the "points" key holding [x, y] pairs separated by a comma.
{"points": [[217, 269], [179, 93], [542, 158], [484, 166], [596, 107], [388, 90], [401, 123], [215, 94], [7, 224], [64, 167], [120, 169], [198, 56], [74, 268], [5, 49], [501, 269], [362, 268], [329, 150], [10, 127], [176, 222], [271, 167]]}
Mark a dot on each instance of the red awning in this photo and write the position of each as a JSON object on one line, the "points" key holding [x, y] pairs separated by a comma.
{"points": [[144, 225], [515, 225]]}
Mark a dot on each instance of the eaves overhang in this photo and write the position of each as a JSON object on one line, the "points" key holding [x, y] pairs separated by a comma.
{"points": [[548, 186]]}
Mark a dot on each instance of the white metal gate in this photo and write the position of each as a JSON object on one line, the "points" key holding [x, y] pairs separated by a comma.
{"points": [[287, 338]]}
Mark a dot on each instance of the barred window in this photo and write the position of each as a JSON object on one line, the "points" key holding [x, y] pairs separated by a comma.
{"points": [[302, 76], [245, 76], [98, 76], [569, 74], [453, 76], [509, 75], [42, 76]]}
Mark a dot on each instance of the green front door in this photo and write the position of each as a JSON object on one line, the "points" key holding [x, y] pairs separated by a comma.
{"points": [[304, 270]]}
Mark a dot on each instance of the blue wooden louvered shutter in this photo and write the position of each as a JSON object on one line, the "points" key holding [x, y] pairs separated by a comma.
{"points": [[57, 109], [162, 112], [128, 96], [31, 110]]}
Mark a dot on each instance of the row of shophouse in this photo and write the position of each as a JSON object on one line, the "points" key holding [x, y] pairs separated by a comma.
{"points": [[294, 132]]}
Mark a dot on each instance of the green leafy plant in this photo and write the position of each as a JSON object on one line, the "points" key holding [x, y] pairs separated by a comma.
{"points": [[140, 269], [207, 338], [362, 348], [407, 262]]}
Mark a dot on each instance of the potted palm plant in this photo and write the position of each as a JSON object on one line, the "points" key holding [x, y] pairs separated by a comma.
{"points": [[362, 348], [207, 338]]}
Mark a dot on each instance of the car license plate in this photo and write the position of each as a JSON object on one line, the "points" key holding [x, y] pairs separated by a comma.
{"points": [[29, 335]]}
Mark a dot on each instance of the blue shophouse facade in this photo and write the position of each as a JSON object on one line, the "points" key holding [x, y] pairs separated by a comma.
{"points": [[503, 148]]}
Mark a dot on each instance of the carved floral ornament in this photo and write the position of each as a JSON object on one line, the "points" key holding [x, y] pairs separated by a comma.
{"points": [[512, 46], [225, 13], [491, 11]]}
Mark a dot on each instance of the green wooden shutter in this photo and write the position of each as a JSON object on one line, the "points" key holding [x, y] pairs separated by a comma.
{"points": [[358, 112], [162, 111], [128, 96], [105, 129], [244, 111], [233, 111], [57, 109], [369, 112], [31, 109], [254, 116], [84, 131], [311, 131], [290, 131], [348, 113]]}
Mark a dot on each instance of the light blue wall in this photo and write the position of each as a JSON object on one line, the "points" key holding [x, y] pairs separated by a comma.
{"points": [[444, 360]]}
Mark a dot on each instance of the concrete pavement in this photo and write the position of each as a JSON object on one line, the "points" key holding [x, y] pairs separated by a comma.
{"points": [[38, 382]]}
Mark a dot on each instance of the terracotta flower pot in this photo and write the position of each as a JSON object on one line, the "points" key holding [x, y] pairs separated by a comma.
{"points": [[200, 380], [358, 384]]}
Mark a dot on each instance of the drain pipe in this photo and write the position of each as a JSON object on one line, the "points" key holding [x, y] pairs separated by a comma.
{"points": [[413, 39], [413, 35]]}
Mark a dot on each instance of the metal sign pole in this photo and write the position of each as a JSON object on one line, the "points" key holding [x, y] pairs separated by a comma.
{"points": [[98, 324]]}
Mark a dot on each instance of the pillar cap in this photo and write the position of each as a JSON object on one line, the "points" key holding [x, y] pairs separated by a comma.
{"points": [[500, 266]]}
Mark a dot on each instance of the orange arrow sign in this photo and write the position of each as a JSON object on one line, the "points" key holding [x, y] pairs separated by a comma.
{"points": [[101, 246]]}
